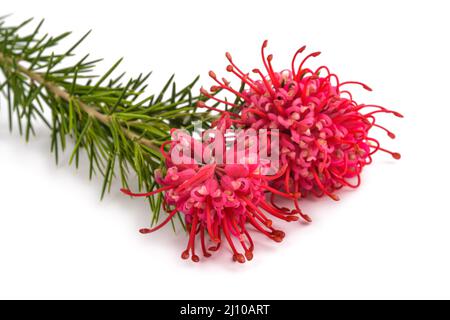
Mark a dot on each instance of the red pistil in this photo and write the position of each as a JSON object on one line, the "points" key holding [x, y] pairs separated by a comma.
{"points": [[324, 190], [166, 221], [390, 133], [208, 221], [224, 84], [274, 177], [267, 63], [147, 194], [243, 78], [395, 155], [191, 243], [299, 51], [356, 82], [281, 193], [202, 239], [277, 213], [202, 104], [266, 83], [247, 250], [311, 55], [236, 255], [210, 96]]}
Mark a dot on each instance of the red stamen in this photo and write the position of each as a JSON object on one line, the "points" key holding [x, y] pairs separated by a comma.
{"points": [[325, 68], [236, 255], [274, 177], [395, 113], [244, 78], [390, 134], [218, 236], [294, 58], [277, 213], [286, 180], [250, 240], [202, 175], [272, 202], [358, 83], [311, 55], [161, 148], [321, 186], [395, 155], [376, 147], [147, 230], [248, 253], [258, 213], [269, 62], [202, 240], [254, 111], [202, 104], [191, 244], [266, 65], [210, 96], [242, 74], [208, 222], [254, 223], [225, 85], [297, 207], [280, 193], [266, 83], [148, 194]]}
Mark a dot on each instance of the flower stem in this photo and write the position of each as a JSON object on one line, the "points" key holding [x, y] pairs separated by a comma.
{"points": [[59, 92]]}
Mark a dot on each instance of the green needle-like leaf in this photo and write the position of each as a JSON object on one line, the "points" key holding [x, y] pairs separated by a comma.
{"points": [[116, 125]]}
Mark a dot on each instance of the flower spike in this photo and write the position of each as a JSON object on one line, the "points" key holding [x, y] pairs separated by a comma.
{"points": [[219, 202], [325, 135]]}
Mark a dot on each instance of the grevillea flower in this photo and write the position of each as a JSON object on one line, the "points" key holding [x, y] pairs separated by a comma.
{"points": [[324, 133], [218, 201]]}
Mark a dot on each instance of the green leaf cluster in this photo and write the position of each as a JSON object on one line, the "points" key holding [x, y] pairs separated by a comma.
{"points": [[110, 119]]}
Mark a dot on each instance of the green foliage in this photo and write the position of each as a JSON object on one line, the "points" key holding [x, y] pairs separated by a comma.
{"points": [[112, 121]]}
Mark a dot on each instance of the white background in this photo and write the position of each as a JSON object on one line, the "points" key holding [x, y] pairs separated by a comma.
{"points": [[388, 239]]}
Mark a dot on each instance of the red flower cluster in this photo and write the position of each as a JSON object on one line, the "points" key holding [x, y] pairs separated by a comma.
{"points": [[218, 199], [324, 146], [324, 133]]}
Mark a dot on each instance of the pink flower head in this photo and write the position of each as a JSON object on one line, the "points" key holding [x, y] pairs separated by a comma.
{"points": [[324, 133], [217, 201]]}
